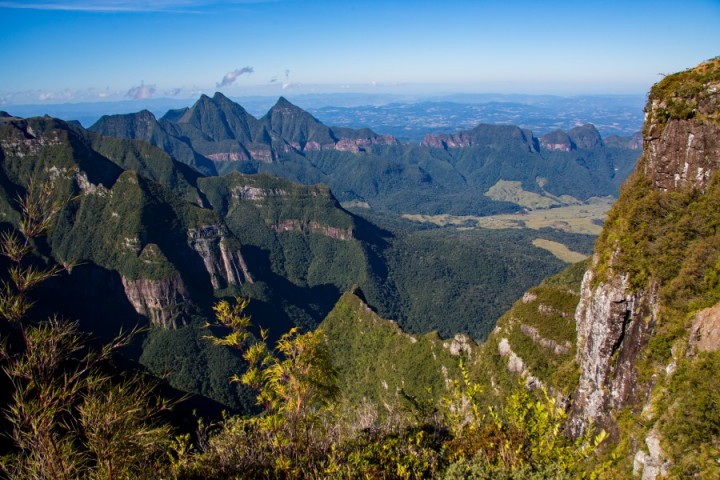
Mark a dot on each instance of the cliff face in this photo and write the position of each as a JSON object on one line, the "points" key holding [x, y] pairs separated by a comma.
{"points": [[163, 302], [488, 136], [612, 330], [224, 264], [683, 152], [650, 275]]}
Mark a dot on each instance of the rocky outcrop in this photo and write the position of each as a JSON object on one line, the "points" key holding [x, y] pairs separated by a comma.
{"points": [[705, 330], [356, 145], [164, 302], [488, 136], [238, 156], [459, 344], [516, 365], [682, 154], [613, 324], [557, 140], [682, 132], [650, 463], [224, 264], [247, 192], [245, 153], [620, 313], [547, 343], [290, 225]]}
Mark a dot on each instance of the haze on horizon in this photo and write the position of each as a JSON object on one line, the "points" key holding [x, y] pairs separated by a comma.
{"points": [[58, 51]]}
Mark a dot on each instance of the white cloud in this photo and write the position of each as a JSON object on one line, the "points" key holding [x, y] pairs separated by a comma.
{"points": [[230, 77], [141, 92], [66, 94]]}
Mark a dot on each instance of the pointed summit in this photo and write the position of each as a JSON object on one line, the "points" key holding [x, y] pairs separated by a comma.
{"points": [[297, 126], [219, 118], [284, 103]]}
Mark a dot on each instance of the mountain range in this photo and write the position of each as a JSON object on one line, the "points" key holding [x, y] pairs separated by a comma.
{"points": [[445, 174]]}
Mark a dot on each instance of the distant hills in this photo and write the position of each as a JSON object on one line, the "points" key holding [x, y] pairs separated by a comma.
{"points": [[447, 173], [407, 117]]}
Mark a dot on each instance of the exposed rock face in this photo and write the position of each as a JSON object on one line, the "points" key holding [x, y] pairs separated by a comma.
{"points": [[485, 136], [618, 314], [516, 364], [313, 227], [460, 343], [557, 140], [163, 302], [705, 331], [682, 152], [225, 265], [355, 145], [238, 156], [650, 463], [611, 331], [552, 345]]}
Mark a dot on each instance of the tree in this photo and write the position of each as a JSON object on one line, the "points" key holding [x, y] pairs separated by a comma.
{"points": [[66, 418], [294, 381]]}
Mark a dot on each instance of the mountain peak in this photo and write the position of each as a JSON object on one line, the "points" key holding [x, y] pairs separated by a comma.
{"points": [[285, 104], [219, 97], [136, 126], [296, 125], [586, 136]]}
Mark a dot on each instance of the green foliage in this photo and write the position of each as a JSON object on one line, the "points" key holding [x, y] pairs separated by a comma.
{"points": [[398, 178], [469, 279], [691, 424], [412, 454], [678, 96], [67, 419], [523, 440], [305, 433], [376, 360], [293, 382], [190, 363], [540, 330], [669, 239]]}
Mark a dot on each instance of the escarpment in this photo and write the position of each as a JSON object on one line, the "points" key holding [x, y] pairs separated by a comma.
{"points": [[224, 264], [638, 326], [164, 302], [682, 131]]}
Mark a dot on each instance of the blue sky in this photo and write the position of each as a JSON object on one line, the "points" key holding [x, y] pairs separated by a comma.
{"points": [[67, 51]]}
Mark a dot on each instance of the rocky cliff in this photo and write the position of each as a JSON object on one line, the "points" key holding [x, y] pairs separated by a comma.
{"points": [[489, 136], [164, 302], [651, 291], [225, 264]]}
